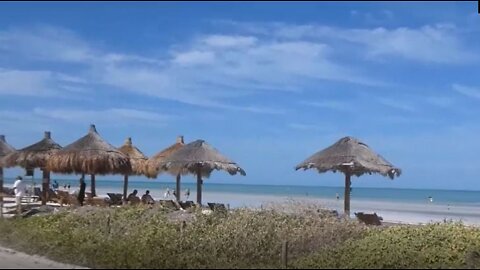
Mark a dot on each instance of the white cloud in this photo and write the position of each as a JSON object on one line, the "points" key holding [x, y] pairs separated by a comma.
{"points": [[397, 104], [376, 17], [194, 58], [441, 101], [112, 116], [437, 43], [229, 41], [46, 43], [25, 83], [467, 90], [329, 104], [15, 82]]}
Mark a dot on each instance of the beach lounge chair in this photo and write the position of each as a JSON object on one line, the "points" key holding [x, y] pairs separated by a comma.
{"points": [[217, 207], [8, 192], [52, 196], [96, 201], [187, 205], [67, 198], [170, 204], [115, 198], [37, 192], [369, 219]]}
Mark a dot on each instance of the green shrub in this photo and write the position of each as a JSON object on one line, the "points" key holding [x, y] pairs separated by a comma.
{"points": [[432, 246], [137, 237]]}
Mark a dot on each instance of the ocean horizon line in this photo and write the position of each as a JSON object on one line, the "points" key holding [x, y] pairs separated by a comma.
{"points": [[258, 185]]}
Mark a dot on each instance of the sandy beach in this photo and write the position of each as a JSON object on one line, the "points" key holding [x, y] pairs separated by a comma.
{"points": [[391, 211]]}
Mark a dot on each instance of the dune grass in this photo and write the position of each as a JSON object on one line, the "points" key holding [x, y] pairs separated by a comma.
{"points": [[137, 237]]}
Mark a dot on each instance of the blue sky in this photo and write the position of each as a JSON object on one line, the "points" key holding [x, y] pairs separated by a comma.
{"points": [[268, 84]]}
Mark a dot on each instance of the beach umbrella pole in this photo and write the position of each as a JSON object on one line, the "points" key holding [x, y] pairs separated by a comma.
{"points": [[45, 185], [92, 188], [125, 187], [199, 187], [348, 183], [178, 187]]}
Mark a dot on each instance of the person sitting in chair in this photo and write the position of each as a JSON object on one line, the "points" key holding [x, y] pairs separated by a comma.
{"points": [[147, 199], [133, 198]]}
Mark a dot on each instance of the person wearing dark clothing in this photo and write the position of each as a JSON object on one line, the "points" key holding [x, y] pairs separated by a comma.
{"points": [[81, 193], [55, 185]]}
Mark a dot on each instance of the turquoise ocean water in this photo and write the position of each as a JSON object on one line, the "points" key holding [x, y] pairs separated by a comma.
{"points": [[454, 197]]}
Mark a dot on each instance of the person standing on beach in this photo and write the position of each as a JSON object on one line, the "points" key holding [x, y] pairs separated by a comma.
{"points": [[167, 193], [20, 188], [55, 185], [187, 193], [81, 193], [337, 196]]}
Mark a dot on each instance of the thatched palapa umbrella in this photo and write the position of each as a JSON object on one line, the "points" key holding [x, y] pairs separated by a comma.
{"points": [[137, 160], [5, 149], [35, 156], [351, 157], [153, 164], [201, 159], [90, 155]]}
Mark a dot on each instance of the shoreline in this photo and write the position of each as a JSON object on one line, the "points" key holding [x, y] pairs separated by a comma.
{"points": [[391, 211]]}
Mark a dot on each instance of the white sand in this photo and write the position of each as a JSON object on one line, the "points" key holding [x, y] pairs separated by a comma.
{"points": [[391, 211], [10, 259]]}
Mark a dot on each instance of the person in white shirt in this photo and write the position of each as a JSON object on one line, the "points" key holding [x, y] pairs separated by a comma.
{"points": [[20, 189], [167, 193]]}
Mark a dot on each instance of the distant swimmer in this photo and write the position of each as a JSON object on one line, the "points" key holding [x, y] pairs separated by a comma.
{"points": [[430, 198]]}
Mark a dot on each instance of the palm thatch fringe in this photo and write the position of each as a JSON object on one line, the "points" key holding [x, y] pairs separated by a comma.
{"points": [[33, 156], [350, 156], [90, 155], [5, 149], [153, 163], [199, 156], [200, 159], [137, 159]]}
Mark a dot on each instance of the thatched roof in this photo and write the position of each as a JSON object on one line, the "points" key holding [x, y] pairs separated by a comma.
{"points": [[199, 155], [349, 155], [153, 163], [33, 156], [90, 155], [137, 158], [5, 149]]}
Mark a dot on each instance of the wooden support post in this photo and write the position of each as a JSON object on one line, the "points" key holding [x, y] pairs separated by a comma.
{"points": [[92, 188], [45, 185], [125, 188], [348, 184], [178, 191], [199, 187]]}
